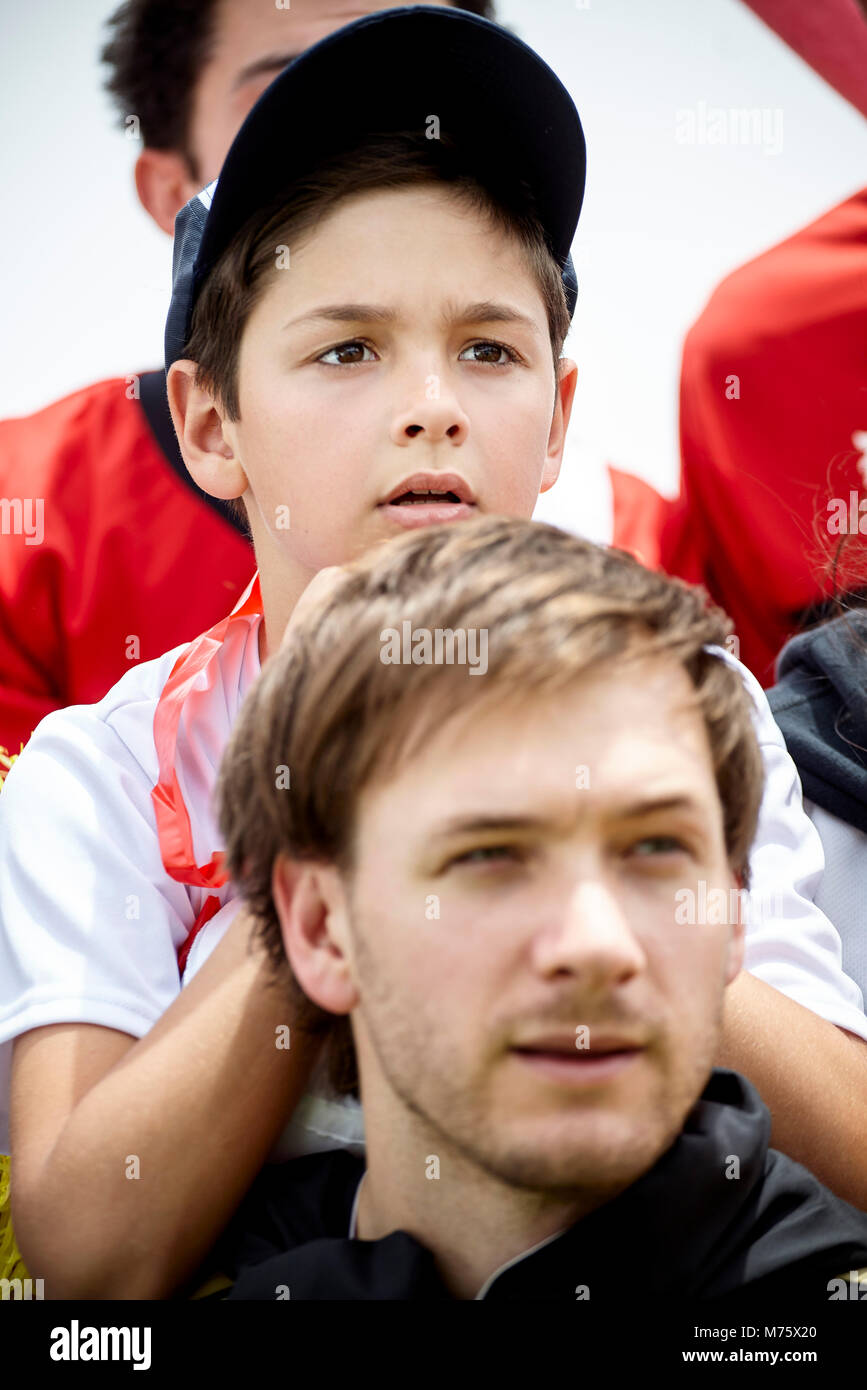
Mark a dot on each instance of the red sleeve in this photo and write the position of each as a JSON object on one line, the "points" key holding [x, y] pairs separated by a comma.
{"points": [[772, 392], [33, 561], [121, 562], [640, 514]]}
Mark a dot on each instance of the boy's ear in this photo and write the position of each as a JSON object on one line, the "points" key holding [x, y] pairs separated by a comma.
{"points": [[311, 904], [567, 380], [198, 424]]}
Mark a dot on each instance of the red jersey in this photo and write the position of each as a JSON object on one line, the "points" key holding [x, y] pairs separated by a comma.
{"points": [[109, 552], [773, 432]]}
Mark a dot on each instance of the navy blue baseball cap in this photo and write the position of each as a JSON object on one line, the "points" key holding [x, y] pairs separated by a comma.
{"points": [[496, 99]]}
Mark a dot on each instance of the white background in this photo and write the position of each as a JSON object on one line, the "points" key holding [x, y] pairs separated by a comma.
{"points": [[85, 274]]}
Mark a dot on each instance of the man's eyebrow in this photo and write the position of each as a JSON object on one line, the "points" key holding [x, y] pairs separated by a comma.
{"points": [[481, 311], [271, 62], [477, 824]]}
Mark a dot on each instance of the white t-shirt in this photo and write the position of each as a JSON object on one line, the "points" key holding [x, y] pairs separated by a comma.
{"points": [[91, 922]]}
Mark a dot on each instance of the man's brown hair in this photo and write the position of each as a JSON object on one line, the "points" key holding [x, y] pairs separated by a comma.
{"points": [[329, 710]]}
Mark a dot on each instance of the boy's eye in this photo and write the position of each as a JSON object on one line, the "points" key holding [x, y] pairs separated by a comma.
{"points": [[347, 354], [489, 353]]}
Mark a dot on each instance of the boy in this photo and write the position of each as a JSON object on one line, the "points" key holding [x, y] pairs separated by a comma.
{"points": [[532, 1022], [369, 328], [105, 459], [143, 912]]}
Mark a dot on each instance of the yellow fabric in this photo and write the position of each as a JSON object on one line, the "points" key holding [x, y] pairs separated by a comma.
{"points": [[212, 1285], [6, 761], [11, 1264]]}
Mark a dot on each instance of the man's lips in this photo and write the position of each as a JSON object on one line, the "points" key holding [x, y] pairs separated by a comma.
{"points": [[570, 1042], [557, 1058]]}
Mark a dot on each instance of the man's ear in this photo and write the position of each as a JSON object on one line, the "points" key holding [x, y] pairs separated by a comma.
{"points": [[567, 380], [163, 184], [311, 904], [198, 424]]}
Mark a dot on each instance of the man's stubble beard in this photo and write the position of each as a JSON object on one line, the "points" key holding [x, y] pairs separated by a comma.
{"points": [[453, 1118]]}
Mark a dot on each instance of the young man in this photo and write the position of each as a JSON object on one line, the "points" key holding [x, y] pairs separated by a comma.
{"points": [[534, 1017], [99, 591], [357, 319]]}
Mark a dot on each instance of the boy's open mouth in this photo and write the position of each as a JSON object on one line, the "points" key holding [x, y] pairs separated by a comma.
{"points": [[427, 498], [410, 499]]}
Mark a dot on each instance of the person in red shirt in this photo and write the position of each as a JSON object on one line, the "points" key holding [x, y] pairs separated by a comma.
{"points": [[773, 433], [109, 552], [773, 405]]}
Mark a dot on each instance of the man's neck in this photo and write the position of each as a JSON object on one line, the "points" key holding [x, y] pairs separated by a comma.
{"points": [[472, 1222]]}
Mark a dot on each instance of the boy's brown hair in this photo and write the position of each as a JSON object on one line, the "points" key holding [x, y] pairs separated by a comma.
{"points": [[331, 712]]}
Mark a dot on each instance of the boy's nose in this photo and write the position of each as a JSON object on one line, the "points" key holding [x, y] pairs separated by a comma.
{"points": [[434, 413]]}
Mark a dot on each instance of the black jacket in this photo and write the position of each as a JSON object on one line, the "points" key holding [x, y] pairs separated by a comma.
{"points": [[683, 1231], [820, 703]]}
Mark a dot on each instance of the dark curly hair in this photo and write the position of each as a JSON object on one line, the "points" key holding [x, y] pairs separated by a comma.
{"points": [[156, 52]]}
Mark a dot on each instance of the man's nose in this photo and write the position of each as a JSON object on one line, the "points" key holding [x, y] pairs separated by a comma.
{"points": [[591, 939], [432, 410]]}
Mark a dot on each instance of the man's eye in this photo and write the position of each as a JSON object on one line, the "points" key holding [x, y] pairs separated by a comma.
{"points": [[485, 854], [490, 354], [653, 845], [347, 354]]}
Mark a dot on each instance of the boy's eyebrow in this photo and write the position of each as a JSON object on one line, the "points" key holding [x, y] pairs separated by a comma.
{"points": [[271, 62], [481, 311], [473, 824]]}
